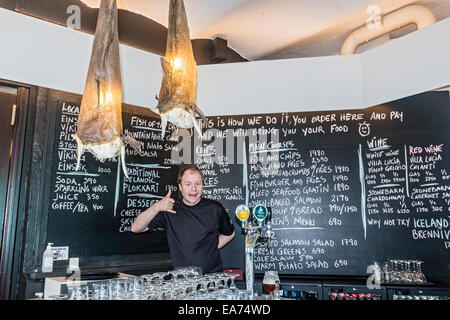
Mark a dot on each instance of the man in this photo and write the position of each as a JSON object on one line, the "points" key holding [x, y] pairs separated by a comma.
{"points": [[197, 228]]}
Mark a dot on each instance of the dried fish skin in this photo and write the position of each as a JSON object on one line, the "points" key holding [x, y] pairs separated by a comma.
{"points": [[100, 118], [100, 128], [178, 93]]}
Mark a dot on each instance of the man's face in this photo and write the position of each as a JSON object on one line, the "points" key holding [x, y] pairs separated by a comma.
{"points": [[191, 187]]}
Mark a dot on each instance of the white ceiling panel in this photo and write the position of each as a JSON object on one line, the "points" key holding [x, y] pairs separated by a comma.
{"points": [[269, 29]]}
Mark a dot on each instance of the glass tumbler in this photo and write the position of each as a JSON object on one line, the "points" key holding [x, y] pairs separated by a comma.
{"points": [[118, 289], [78, 292], [100, 291]]}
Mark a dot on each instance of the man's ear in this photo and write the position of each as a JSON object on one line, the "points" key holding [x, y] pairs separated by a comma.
{"points": [[180, 196]]}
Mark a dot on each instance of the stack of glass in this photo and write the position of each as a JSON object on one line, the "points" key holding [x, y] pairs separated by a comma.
{"points": [[185, 283], [396, 271], [418, 297]]}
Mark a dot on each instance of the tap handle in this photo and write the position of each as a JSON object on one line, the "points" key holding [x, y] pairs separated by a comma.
{"points": [[243, 213], [260, 213]]}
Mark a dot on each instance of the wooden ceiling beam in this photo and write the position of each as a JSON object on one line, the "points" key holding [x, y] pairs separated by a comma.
{"points": [[135, 30]]}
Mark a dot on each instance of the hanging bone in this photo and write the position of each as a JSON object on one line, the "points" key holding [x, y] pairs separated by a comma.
{"points": [[100, 120], [177, 97]]}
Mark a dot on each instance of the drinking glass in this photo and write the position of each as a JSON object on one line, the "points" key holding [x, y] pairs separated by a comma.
{"points": [[118, 289], [421, 276], [177, 290], [185, 288], [387, 273], [212, 285], [157, 277], [139, 283], [154, 293], [228, 279], [188, 271], [269, 280], [204, 281], [243, 295], [78, 292], [177, 273], [168, 290], [220, 280], [233, 276], [401, 271], [415, 272], [395, 271], [408, 272], [196, 271], [196, 283], [135, 288], [100, 290]]}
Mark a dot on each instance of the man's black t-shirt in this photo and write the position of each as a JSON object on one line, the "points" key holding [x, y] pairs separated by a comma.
{"points": [[193, 233]]}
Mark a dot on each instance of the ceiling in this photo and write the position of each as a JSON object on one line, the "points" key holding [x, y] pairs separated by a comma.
{"points": [[276, 29]]}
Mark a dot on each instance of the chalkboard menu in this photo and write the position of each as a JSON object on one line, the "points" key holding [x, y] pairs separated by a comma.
{"points": [[91, 210], [346, 188]]}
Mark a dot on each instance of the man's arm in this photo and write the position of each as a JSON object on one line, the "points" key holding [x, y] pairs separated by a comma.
{"points": [[142, 221], [223, 240]]}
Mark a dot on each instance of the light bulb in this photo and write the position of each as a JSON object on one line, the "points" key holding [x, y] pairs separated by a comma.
{"points": [[177, 63]]}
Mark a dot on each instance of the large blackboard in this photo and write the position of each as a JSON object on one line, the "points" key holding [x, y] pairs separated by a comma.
{"points": [[91, 210], [346, 188]]}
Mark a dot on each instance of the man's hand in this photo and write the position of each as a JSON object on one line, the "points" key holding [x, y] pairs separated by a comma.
{"points": [[223, 240], [142, 221], [166, 203]]}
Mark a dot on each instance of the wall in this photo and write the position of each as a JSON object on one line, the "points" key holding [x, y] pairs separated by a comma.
{"points": [[44, 54], [323, 83], [408, 65]]}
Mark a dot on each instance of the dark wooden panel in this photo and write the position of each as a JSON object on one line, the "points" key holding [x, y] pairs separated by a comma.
{"points": [[27, 99], [7, 4], [13, 221], [7, 100], [134, 29], [33, 235]]}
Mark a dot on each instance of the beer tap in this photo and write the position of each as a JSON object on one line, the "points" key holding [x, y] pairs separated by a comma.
{"points": [[258, 231]]}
